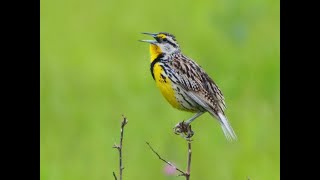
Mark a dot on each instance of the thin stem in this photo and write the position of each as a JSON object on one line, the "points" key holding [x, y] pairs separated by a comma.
{"points": [[186, 174], [124, 122], [119, 147], [114, 175], [189, 160], [170, 164], [186, 129]]}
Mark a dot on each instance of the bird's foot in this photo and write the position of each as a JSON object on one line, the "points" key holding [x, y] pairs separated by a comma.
{"points": [[183, 129]]}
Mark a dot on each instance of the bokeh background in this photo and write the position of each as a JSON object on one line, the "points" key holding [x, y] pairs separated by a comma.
{"points": [[93, 70]]}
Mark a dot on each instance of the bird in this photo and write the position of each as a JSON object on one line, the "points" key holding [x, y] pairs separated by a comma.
{"points": [[184, 83]]}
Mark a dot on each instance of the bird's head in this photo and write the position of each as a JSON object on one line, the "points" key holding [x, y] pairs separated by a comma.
{"points": [[163, 43]]}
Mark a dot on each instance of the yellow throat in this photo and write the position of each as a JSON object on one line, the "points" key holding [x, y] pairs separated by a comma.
{"points": [[155, 51]]}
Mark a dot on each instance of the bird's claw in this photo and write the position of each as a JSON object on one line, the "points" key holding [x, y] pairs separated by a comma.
{"points": [[183, 129]]}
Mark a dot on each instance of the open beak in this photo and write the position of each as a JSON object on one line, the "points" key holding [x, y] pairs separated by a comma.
{"points": [[150, 41]]}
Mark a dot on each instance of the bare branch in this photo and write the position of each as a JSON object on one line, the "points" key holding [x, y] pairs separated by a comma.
{"points": [[119, 147], [114, 175], [189, 160], [186, 130], [170, 164]]}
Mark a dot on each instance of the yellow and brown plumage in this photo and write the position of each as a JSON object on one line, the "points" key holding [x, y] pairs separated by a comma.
{"points": [[183, 83]]}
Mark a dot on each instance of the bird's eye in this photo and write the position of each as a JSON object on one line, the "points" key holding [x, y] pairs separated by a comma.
{"points": [[165, 40]]}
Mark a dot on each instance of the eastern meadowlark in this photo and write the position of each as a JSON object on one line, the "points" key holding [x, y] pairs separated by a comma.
{"points": [[183, 83]]}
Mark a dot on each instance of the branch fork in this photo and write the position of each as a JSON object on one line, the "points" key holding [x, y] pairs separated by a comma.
{"points": [[183, 173]]}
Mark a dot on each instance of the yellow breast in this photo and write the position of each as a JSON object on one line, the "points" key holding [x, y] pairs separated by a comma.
{"points": [[165, 86], [162, 81]]}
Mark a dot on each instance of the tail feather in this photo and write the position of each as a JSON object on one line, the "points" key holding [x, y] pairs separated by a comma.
{"points": [[226, 127]]}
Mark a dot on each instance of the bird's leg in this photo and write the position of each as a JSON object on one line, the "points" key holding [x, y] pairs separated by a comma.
{"points": [[185, 127], [193, 118]]}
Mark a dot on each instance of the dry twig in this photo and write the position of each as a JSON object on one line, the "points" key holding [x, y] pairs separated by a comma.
{"points": [[119, 147], [187, 173]]}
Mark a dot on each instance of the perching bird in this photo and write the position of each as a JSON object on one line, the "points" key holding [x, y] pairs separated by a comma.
{"points": [[183, 83]]}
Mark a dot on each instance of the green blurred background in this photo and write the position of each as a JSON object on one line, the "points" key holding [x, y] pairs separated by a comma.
{"points": [[93, 70]]}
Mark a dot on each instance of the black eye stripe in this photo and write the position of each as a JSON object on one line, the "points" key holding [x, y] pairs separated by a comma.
{"points": [[165, 40], [173, 44]]}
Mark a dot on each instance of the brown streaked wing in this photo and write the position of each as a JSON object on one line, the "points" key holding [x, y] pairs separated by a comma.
{"points": [[193, 78]]}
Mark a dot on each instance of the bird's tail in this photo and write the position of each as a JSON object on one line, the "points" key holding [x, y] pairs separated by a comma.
{"points": [[226, 127]]}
